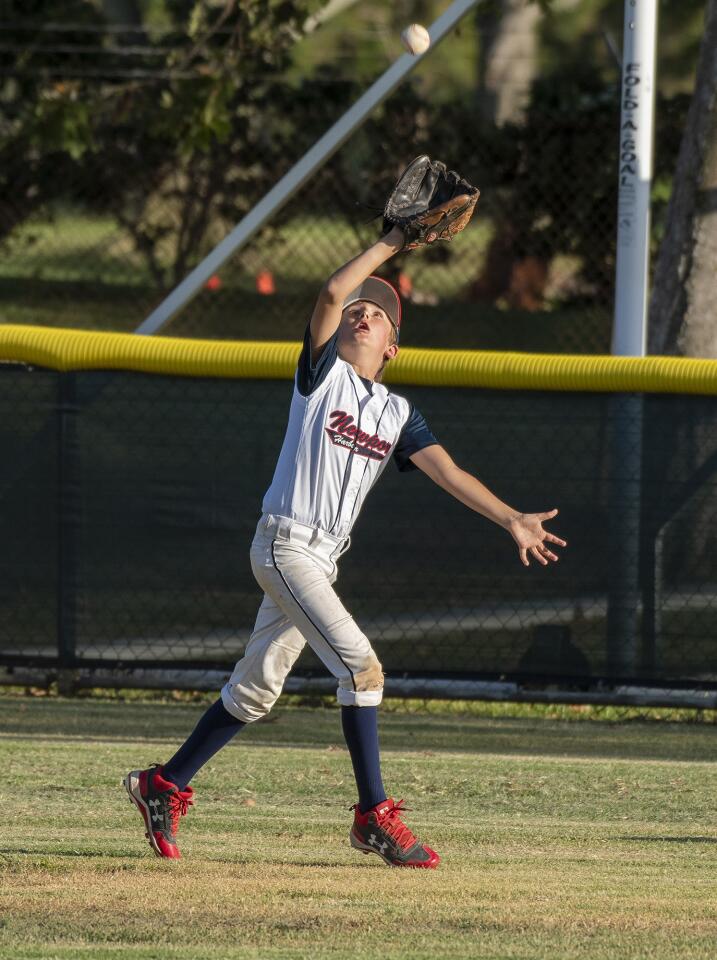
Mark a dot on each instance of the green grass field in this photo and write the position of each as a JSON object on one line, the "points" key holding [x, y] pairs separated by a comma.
{"points": [[80, 270], [559, 839]]}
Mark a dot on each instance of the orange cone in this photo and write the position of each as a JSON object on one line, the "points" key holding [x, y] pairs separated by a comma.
{"points": [[265, 283], [405, 286]]}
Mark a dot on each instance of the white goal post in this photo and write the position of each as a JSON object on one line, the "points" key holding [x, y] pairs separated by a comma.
{"points": [[637, 118]]}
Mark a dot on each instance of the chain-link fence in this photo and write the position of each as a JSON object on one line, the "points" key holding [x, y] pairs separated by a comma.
{"points": [[129, 503], [101, 217]]}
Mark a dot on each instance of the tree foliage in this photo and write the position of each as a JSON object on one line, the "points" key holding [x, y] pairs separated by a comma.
{"points": [[178, 127], [45, 124], [174, 136]]}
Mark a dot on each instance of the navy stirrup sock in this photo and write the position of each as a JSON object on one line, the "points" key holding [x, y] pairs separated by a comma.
{"points": [[214, 730], [360, 726]]}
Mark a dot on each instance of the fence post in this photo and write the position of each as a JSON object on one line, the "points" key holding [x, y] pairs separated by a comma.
{"points": [[652, 597], [624, 505], [629, 337], [66, 520]]}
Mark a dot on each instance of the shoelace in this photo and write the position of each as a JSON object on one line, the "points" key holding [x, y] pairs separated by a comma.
{"points": [[179, 803], [393, 825]]}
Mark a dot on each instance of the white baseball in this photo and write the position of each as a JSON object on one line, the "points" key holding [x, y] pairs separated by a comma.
{"points": [[415, 39]]}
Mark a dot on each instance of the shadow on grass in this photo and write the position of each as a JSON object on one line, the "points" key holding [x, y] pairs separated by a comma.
{"points": [[667, 839], [62, 721], [43, 854], [135, 860]]}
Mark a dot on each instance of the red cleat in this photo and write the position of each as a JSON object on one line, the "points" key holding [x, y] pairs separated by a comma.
{"points": [[161, 804], [380, 830]]}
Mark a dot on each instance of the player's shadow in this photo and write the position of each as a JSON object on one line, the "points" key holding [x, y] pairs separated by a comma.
{"points": [[668, 839], [23, 851], [277, 862]]}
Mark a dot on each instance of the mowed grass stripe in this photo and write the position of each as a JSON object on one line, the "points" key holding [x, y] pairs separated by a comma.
{"points": [[544, 856], [98, 720]]}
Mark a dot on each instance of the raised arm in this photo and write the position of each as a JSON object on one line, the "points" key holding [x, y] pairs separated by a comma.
{"points": [[327, 312], [525, 528]]}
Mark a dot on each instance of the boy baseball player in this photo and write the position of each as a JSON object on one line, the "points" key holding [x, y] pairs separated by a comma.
{"points": [[344, 426]]}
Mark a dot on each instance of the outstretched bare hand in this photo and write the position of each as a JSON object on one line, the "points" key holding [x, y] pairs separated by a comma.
{"points": [[527, 531]]}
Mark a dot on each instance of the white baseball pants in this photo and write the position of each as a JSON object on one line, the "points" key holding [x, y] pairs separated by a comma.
{"points": [[295, 565]]}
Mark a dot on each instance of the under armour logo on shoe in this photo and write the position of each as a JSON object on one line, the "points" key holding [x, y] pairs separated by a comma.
{"points": [[155, 813], [379, 846]]}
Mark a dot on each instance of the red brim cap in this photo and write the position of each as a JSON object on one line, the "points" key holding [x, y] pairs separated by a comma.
{"points": [[381, 292]]}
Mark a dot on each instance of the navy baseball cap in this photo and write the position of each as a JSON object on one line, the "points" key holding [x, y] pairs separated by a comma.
{"points": [[383, 294]]}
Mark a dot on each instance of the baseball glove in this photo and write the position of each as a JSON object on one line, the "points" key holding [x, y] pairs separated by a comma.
{"points": [[429, 203]]}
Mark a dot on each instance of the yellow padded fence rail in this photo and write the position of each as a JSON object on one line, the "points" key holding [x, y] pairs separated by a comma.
{"points": [[62, 349]]}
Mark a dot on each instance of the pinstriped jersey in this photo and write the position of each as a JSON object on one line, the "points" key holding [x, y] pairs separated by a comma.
{"points": [[342, 431]]}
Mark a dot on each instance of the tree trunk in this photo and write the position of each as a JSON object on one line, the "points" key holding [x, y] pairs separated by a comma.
{"points": [[682, 305], [682, 319], [508, 59]]}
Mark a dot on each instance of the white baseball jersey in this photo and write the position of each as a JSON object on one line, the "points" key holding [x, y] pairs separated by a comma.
{"points": [[342, 432]]}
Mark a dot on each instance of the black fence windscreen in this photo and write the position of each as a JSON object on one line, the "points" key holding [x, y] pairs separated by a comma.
{"points": [[128, 503]]}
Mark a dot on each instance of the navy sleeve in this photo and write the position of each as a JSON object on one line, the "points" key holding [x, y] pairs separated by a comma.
{"points": [[309, 377], [414, 437]]}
